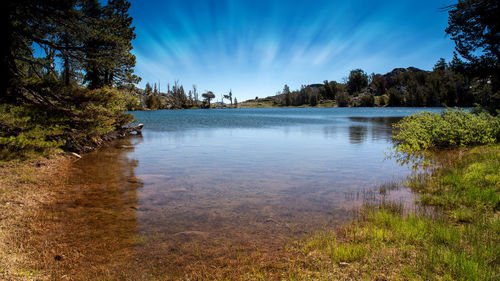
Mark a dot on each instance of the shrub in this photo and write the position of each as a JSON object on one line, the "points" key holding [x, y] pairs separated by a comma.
{"points": [[342, 99], [451, 129], [99, 111], [79, 113], [395, 97], [27, 130], [367, 100]]}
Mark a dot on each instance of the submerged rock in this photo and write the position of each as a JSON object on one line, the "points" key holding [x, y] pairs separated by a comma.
{"points": [[193, 234]]}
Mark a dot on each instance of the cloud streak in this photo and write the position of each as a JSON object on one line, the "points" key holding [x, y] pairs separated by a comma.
{"points": [[255, 47]]}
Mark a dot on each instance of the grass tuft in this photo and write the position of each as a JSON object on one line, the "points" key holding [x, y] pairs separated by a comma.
{"points": [[461, 244]]}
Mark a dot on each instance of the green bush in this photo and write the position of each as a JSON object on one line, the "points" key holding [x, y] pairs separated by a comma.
{"points": [[99, 111], [342, 99], [27, 130], [451, 129], [367, 100]]}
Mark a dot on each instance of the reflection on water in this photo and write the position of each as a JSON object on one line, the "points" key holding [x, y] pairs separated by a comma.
{"points": [[204, 186], [357, 134]]}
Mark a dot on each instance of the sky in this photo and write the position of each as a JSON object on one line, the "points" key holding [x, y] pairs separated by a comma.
{"points": [[255, 47]]}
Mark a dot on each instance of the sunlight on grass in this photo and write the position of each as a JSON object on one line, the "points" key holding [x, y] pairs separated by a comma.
{"points": [[464, 244]]}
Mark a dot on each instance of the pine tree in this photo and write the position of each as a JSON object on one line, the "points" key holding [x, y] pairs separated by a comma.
{"points": [[148, 88], [208, 96], [286, 92], [109, 60], [358, 80], [195, 94], [53, 25], [190, 98]]}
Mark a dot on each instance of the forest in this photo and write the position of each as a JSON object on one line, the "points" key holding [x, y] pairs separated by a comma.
{"points": [[453, 84], [66, 69]]}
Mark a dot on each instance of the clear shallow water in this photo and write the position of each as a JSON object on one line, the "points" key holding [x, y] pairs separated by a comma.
{"points": [[244, 177], [294, 161]]}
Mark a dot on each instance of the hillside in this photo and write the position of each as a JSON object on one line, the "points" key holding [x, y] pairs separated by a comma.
{"points": [[451, 84]]}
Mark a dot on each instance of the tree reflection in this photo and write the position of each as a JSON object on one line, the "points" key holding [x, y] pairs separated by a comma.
{"points": [[380, 128], [357, 134]]}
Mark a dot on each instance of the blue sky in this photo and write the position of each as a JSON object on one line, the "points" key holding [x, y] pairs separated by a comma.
{"points": [[255, 47]]}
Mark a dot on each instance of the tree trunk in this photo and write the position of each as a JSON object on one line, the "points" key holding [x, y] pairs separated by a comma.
{"points": [[7, 48], [66, 70]]}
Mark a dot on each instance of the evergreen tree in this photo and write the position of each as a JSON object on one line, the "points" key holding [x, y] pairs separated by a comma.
{"points": [[190, 98], [86, 36], [208, 96], [327, 91], [119, 24], [107, 49], [195, 95], [440, 65], [357, 80], [379, 84], [152, 101], [394, 97], [286, 92], [313, 99], [148, 88], [53, 25], [342, 99], [474, 26]]}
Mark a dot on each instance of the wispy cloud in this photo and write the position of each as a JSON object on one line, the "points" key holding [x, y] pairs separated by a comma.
{"points": [[254, 47]]}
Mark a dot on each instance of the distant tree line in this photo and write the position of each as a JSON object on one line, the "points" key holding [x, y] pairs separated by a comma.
{"points": [[175, 97], [448, 84]]}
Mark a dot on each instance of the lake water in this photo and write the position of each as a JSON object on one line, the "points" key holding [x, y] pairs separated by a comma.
{"points": [[198, 181]]}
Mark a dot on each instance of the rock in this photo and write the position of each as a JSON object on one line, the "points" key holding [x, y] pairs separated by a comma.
{"points": [[137, 129], [76, 155], [133, 180], [390, 76], [126, 146]]}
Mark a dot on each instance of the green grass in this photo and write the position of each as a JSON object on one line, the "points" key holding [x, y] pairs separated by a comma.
{"points": [[461, 243]]}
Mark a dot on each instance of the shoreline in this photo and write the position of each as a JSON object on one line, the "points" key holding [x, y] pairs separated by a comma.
{"points": [[32, 195]]}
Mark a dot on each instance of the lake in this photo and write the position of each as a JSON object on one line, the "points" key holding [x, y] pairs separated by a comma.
{"points": [[204, 185]]}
